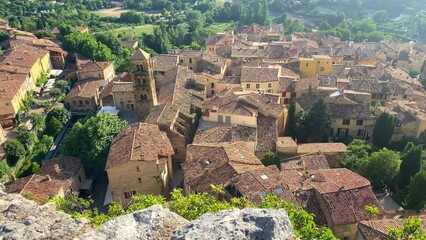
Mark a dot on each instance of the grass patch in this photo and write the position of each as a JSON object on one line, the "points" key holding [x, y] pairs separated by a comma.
{"points": [[219, 27], [110, 12], [132, 31]]}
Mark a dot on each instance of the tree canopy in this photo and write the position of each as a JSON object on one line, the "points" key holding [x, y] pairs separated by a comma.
{"points": [[383, 130], [14, 151], [416, 198], [90, 140], [411, 162], [381, 167], [61, 114]]}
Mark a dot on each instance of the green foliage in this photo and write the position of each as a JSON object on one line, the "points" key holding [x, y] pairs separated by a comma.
{"points": [[27, 138], [53, 127], [416, 198], [411, 161], [38, 121], [317, 122], [131, 17], [61, 114], [91, 138], [4, 36], [44, 34], [88, 46], [55, 92], [270, 158], [14, 151], [42, 80], [291, 125], [4, 169], [383, 130], [40, 149], [372, 210], [411, 230], [193, 206], [61, 84], [359, 150], [381, 167]]}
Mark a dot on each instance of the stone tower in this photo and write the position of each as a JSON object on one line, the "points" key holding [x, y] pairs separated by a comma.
{"points": [[143, 83]]}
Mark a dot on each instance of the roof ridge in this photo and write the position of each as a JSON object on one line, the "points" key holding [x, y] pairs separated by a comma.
{"points": [[26, 184]]}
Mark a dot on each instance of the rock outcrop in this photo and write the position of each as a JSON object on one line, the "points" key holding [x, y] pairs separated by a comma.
{"points": [[24, 219], [239, 224], [154, 222]]}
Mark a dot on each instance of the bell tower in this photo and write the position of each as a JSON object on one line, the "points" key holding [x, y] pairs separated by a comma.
{"points": [[143, 83]]}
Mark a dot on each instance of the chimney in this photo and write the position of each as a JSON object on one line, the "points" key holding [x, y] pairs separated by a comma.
{"points": [[57, 169]]}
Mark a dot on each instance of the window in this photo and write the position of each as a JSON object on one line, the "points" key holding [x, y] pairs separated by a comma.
{"points": [[228, 119], [359, 122], [190, 60], [129, 194], [143, 81], [360, 133], [322, 69], [257, 85], [138, 169], [7, 104], [342, 131], [220, 118], [139, 68], [181, 61], [269, 91], [80, 102], [346, 121], [144, 97], [212, 92], [212, 85], [74, 102], [269, 85], [140, 180], [287, 101], [307, 64], [79, 179], [331, 131], [248, 85], [283, 94], [87, 102]]}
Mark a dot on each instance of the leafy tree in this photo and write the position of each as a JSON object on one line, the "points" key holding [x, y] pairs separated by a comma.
{"points": [[416, 198], [90, 140], [4, 169], [44, 34], [381, 167], [381, 16], [14, 151], [38, 121], [372, 210], [270, 158], [61, 114], [359, 150], [4, 36], [41, 148], [318, 121], [291, 125], [61, 84], [53, 127], [27, 138], [383, 130], [411, 230], [411, 161], [131, 17], [55, 92]]}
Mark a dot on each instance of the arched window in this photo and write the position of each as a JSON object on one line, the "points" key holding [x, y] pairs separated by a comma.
{"points": [[143, 81], [139, 68]]}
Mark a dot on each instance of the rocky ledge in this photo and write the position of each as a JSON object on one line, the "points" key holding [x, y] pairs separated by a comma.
{"points": [[24, 219]]}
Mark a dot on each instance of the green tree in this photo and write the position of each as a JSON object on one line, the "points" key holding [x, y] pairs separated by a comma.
{"points": [[53, 126], [318, 121], [411, 161], [61, 114], [55, 92], [270, 158], [4, 36], [381, 167], [383, 130], [14, 151], [291, 125], [359, 150], [90, 140], [411, 230], [27, 138], [416, 198]]}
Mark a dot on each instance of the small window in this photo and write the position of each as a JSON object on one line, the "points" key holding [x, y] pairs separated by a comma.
{"points": [[248, 85], [220, 118], [359, 122], [360, 133], [269, 85], [87, 102], [74, 102], [212, 85], [190, 60], [257, 85], [79, 179], [7, 104], [307, 64], [138, 169], [80, 102], [181, 61], [213, 92], [140, 180], [143, 82], [346, 121], [190, 68]]}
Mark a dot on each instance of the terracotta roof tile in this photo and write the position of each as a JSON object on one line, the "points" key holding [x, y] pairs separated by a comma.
{"points": [[23, 56], [321, 147], [164, 63], [313, 161], [260, 74], [10, 84], [68, 167], [138, 142], [93, 66], [86, 89]]}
